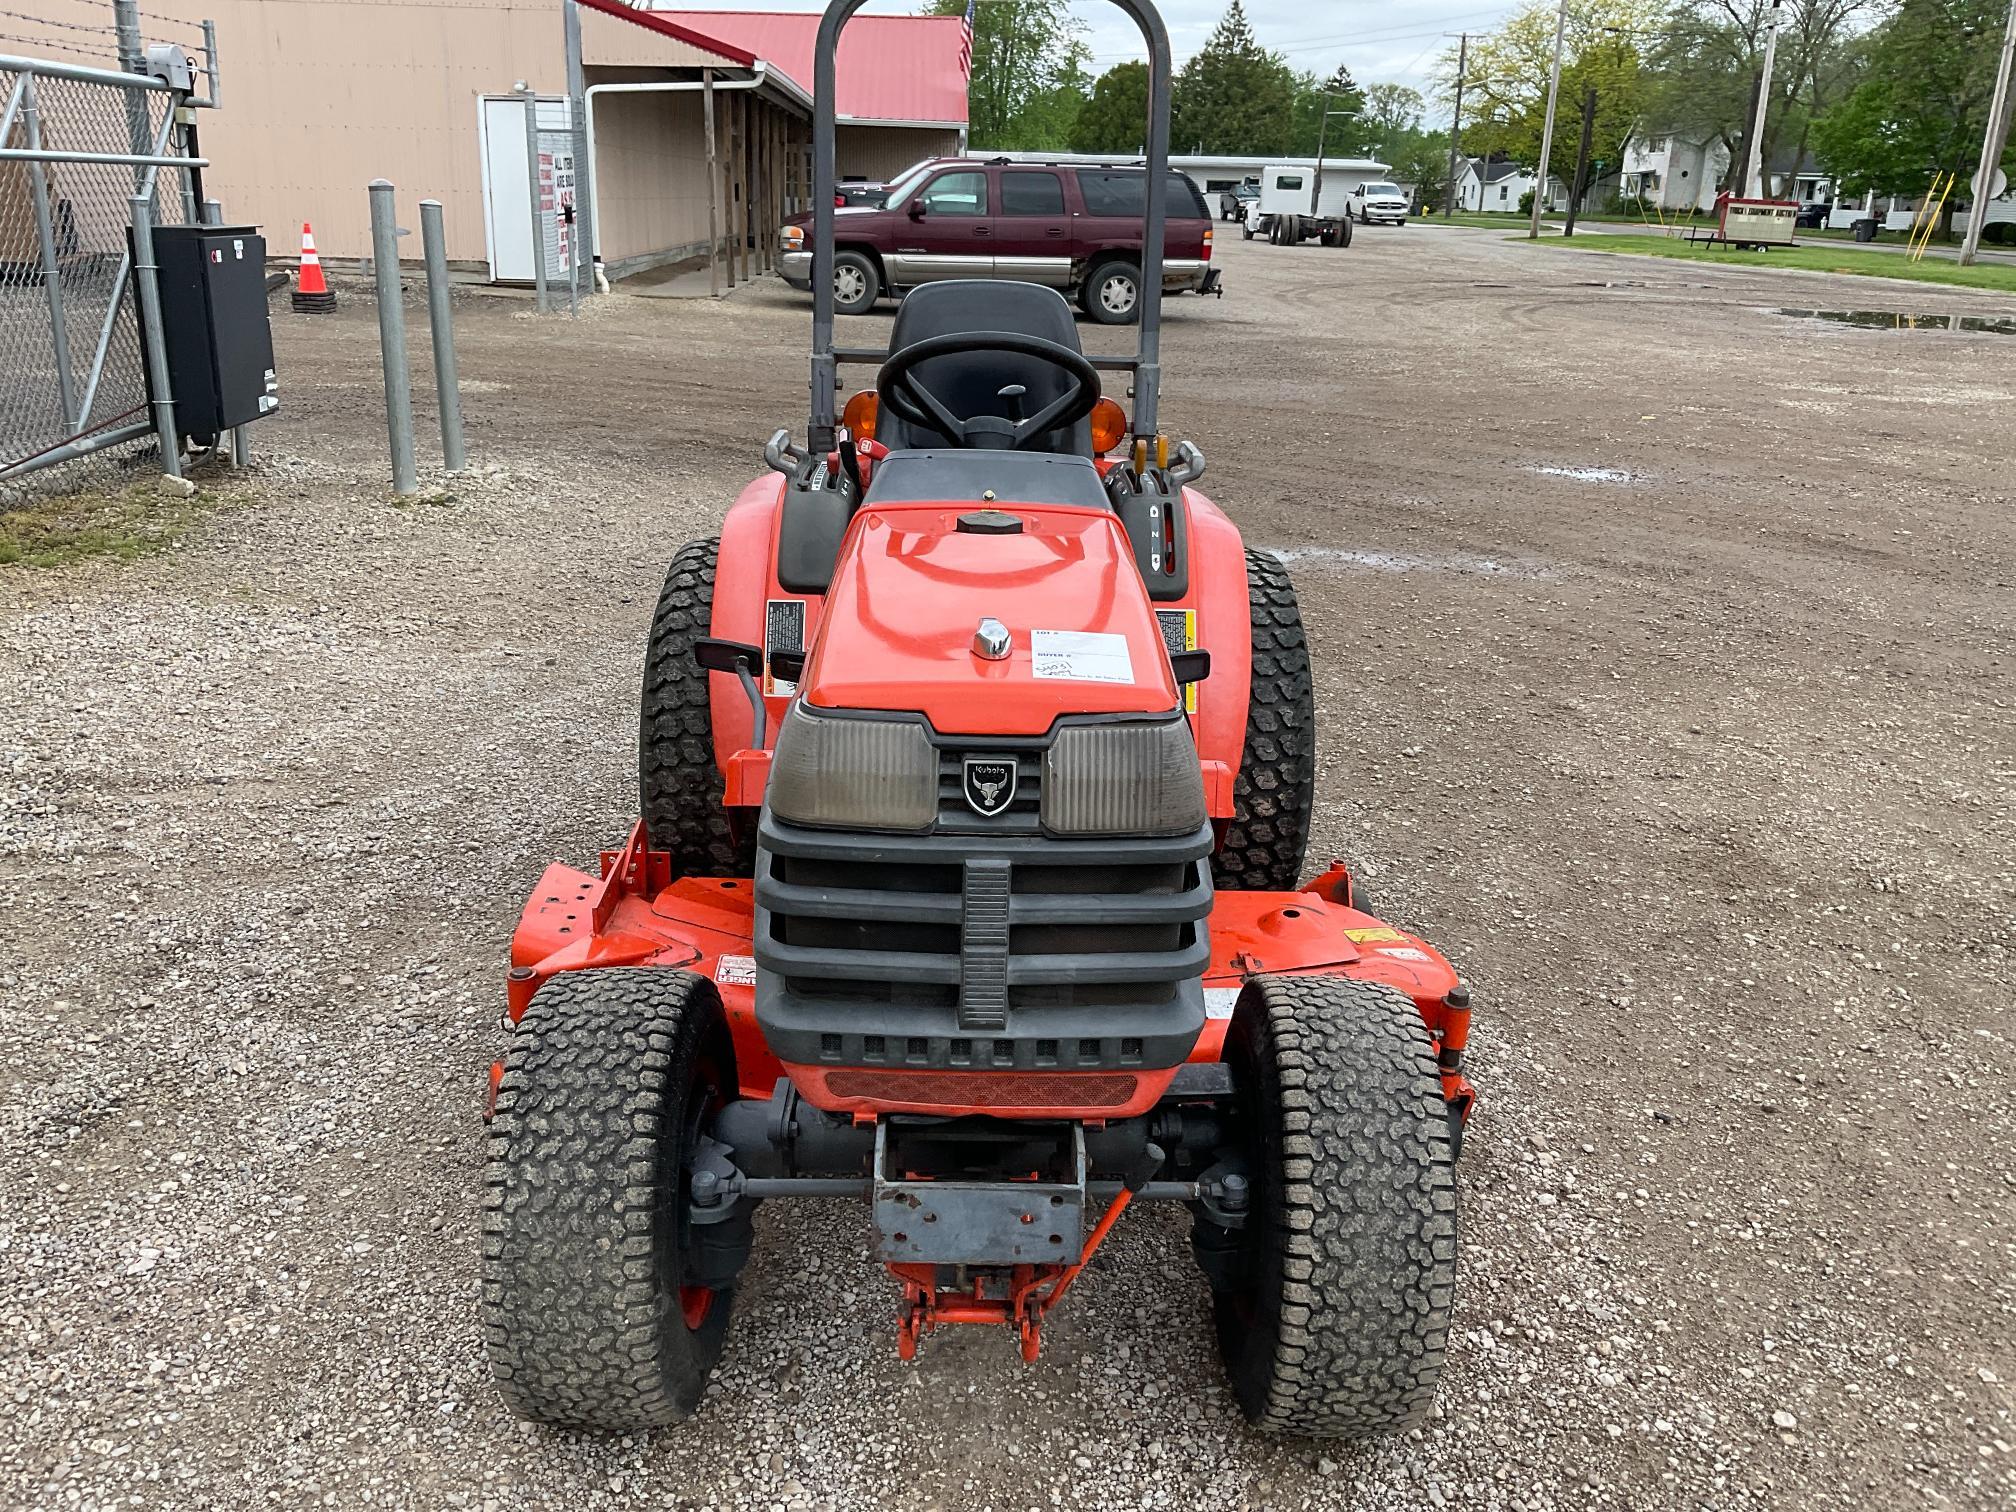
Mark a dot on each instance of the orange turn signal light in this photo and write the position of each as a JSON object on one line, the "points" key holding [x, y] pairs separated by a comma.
{"points": [[859, 416], [1109, 426]]}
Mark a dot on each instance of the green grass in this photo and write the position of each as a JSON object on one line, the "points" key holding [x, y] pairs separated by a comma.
{"points": [[1828, 259], [135, 522]]}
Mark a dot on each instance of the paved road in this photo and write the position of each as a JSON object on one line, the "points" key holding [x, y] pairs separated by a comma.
{"points": [[1665, 665]]}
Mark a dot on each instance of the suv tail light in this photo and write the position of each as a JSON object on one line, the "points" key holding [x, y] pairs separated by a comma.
{"points": [[1207, 244]]}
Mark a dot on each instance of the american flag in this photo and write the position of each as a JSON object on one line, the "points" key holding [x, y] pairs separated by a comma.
{"points": [[966, 41]]}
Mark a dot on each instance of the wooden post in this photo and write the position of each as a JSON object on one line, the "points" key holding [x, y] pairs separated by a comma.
{"points": [[742, 185], [713, 187]]}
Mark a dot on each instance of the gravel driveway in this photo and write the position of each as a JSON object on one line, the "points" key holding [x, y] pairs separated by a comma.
{"points": [[1665, 678]]}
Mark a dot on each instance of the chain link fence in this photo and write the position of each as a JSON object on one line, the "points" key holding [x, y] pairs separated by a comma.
{"points": [[78, 141]]}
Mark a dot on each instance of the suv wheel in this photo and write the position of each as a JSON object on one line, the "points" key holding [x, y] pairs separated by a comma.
{"points": [[857, 283], [1112, 293]]}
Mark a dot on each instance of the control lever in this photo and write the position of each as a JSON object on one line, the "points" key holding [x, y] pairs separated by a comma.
{"points": [[1189, 464], [1013, 393], [784, 455]]}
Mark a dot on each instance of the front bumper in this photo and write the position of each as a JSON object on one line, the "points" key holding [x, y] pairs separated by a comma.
{"points": [[795, 268]]}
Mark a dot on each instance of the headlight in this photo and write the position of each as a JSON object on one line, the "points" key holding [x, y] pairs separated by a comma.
{"points": [[794, 238], [853, 773], [1123, 779]]}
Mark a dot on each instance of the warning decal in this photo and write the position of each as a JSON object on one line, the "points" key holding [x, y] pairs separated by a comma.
{"points": [[1179, 633], [783, 630]]}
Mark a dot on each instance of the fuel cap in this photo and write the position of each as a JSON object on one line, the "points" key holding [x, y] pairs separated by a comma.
{"points": [[991, 640], [990, 522]]}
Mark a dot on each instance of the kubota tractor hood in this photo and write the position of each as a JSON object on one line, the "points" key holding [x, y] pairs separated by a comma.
{"points": [[915, 581]]}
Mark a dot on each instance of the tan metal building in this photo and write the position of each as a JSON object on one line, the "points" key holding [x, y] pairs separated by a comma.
{"points": [[322, 96]]}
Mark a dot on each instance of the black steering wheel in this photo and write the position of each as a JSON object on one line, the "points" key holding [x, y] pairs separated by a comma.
{"points": [[907, 396]]}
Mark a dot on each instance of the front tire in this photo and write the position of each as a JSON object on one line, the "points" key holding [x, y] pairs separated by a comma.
{"points": [[588, 1317], [1112, 293], [680, 789], [1337, 1324], [1276, 788], [857, 283]]}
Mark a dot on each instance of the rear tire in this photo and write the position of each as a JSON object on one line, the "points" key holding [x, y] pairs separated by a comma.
{"points": [[1264, 844], [857, 283], [587, 1322], [1344, 233], [1112, 292], [679, 787], [1338, 1326]]}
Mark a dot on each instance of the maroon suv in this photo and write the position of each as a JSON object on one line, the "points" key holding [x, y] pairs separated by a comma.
{"points": [[1074, 226]]}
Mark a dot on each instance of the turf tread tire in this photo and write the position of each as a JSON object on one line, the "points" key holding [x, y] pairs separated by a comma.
{"points": [[1265, 843], [1355, 1202], [582, 1317], [680, 789]]}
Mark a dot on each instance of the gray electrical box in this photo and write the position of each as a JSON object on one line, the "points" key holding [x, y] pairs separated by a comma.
{"points": [[215, 327]]}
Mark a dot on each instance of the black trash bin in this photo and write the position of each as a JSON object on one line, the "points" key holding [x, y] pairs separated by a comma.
{"points": [[1865, 229]]}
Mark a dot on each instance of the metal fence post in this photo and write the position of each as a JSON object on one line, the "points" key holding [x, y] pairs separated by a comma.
{"points": [[45, 237], [149, 287], [392, 338], [532, 179], [440, 326], [133, 60]]}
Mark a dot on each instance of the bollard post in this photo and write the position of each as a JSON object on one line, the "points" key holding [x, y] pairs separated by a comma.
{"points": [[392, 337], [532, 180], [441, 328]]}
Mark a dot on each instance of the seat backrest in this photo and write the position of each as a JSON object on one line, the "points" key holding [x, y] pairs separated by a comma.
{"points": [[970, 383]]}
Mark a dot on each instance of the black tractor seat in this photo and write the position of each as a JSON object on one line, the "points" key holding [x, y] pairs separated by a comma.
{"points": [[970, 383], [1012, 477]]}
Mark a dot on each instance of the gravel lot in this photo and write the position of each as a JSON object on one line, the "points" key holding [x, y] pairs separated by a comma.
{"points": [[1665, 678]]}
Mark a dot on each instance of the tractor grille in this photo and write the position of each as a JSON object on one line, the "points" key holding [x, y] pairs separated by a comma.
{"points": [[1014, 1090], [988, 952]]}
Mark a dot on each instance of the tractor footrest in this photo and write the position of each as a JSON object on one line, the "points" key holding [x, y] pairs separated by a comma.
{"points": [[952, 1220]]}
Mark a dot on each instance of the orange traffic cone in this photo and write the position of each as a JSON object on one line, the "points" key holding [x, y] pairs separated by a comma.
{"points": [[311, 293]]}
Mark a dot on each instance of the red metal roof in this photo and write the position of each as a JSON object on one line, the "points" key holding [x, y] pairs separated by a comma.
{"points": [[651, 21], [890, 68]]}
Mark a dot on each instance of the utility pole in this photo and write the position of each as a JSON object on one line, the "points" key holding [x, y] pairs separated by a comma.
{"points": [[1456, 119], [1582, 156], [1547, 129], [1753, 173], [1992, 144]]}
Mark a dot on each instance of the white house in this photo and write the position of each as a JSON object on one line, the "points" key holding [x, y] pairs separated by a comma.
{"points": [[1669, 172], [1491, 187]]}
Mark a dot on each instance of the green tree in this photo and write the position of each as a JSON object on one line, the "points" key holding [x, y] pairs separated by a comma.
{"points": [[1705, 65], [1392, 116], [1233, 95], [1505, 93], [1421, 158], [1115, 117], [1028, 72], [1922, 107], [1343, 134]]}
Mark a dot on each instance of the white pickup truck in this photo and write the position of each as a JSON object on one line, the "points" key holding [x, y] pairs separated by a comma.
{"points": [[1378, 201], [1287, 211]]}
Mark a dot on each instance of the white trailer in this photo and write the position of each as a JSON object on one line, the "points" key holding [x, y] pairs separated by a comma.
{"points": [[1292, 208]]}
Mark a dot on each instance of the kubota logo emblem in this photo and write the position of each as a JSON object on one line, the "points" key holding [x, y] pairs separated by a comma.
{"points": [[990, 785]]}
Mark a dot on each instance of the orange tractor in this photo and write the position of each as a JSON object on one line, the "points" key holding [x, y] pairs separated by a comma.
{"points": [[976, 758]]}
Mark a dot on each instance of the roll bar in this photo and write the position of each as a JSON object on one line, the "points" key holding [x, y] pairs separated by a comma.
{"points": [[1146, 364]]}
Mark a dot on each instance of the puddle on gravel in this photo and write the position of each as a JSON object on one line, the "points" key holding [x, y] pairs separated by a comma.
{"points": [[1587, 474], [1403, 561], [1905, 320]]}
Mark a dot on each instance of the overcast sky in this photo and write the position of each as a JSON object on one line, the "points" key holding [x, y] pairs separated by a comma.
{"points": [[1391, 41]]}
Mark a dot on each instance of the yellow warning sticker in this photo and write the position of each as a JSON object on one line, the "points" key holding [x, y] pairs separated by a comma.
{"points": [[1373, 936]]}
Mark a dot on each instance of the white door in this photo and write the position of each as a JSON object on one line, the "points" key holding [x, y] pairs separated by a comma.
{"points": [[507, 190]]}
